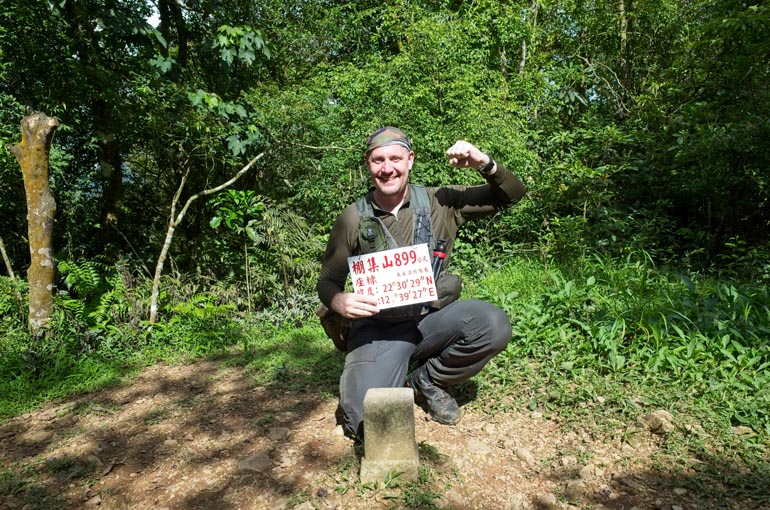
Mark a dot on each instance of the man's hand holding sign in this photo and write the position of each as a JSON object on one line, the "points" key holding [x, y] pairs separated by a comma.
{"points": [[398, 277]]}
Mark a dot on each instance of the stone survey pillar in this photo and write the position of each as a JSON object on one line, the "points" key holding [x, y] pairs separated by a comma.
{"points": [[389, 439]]}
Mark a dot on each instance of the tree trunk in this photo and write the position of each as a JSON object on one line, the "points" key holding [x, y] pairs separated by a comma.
{"points": [[624, 8], [535, 8], [84, 29], [111, 163], [6, 260], [625, 13], [32, 153], [171, 15]]}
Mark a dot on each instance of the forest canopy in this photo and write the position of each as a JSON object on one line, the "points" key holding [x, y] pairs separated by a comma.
{"points": [[636, 125]]}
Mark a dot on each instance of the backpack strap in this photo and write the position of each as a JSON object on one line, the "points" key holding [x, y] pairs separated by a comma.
{"points": [[423, 228], [372, 234]]}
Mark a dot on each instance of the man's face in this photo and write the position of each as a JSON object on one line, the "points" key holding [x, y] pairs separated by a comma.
{"points": [[389, 168]]}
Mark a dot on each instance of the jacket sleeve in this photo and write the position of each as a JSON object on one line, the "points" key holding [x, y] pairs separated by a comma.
{"points": [[341, 245], [506, 187], [502, 190]]}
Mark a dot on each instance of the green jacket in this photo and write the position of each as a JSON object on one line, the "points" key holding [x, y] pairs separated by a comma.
{"points": [[451, 207]]}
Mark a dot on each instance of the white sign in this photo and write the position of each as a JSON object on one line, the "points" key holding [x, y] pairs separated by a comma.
{"points": [[398, 277]]}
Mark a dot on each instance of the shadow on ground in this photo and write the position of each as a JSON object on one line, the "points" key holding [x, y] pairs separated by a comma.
{"points": [[205, 436], [174, 436]]}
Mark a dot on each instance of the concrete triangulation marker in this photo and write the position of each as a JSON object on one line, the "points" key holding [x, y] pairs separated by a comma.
{"points": [[389, 440]]}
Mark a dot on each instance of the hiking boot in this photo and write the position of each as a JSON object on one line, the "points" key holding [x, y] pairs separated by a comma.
{"points": [[443, 408]]}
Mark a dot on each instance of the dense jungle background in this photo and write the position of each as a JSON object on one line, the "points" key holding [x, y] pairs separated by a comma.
{"points": [[635, 271]]}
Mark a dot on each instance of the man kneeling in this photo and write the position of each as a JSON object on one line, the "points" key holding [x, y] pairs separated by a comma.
{"points": [[449, 341]]}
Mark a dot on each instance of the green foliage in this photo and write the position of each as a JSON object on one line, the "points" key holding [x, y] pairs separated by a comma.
{"points": [[434, 87], [636, 325], [84, 279], [11, 185], [97, 295], [297, 358], [646, 168], [709, 132], [232, 117], [198, 327], [241, 43], [656, 144], [240, 211], [604, 341], [12, 302], [280, 249]]}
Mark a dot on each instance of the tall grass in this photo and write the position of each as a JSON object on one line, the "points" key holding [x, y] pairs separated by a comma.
{"points": [[620, 320], [631, 321]]}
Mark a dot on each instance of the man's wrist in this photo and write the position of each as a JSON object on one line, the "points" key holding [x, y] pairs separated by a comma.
{"points": [[487, 168]]}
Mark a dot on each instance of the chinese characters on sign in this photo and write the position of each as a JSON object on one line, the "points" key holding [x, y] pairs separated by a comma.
{"points": [[398, 277]]}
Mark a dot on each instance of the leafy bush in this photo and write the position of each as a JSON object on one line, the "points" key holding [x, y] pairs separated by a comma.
{"points": [[640, 326], [13, 302], [279, 248]]}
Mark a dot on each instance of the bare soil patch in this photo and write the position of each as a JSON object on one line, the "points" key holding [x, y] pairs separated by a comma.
{"points": [[202, 436]]}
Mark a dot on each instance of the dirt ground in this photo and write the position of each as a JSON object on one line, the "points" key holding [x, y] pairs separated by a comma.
{"points": [[201, 436]]}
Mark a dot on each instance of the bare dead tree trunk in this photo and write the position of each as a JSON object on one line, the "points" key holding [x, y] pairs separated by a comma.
{"points": [[175, 221], [11, 275], [6, 260], [32, 153], [533, 33], [625, 12]]}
